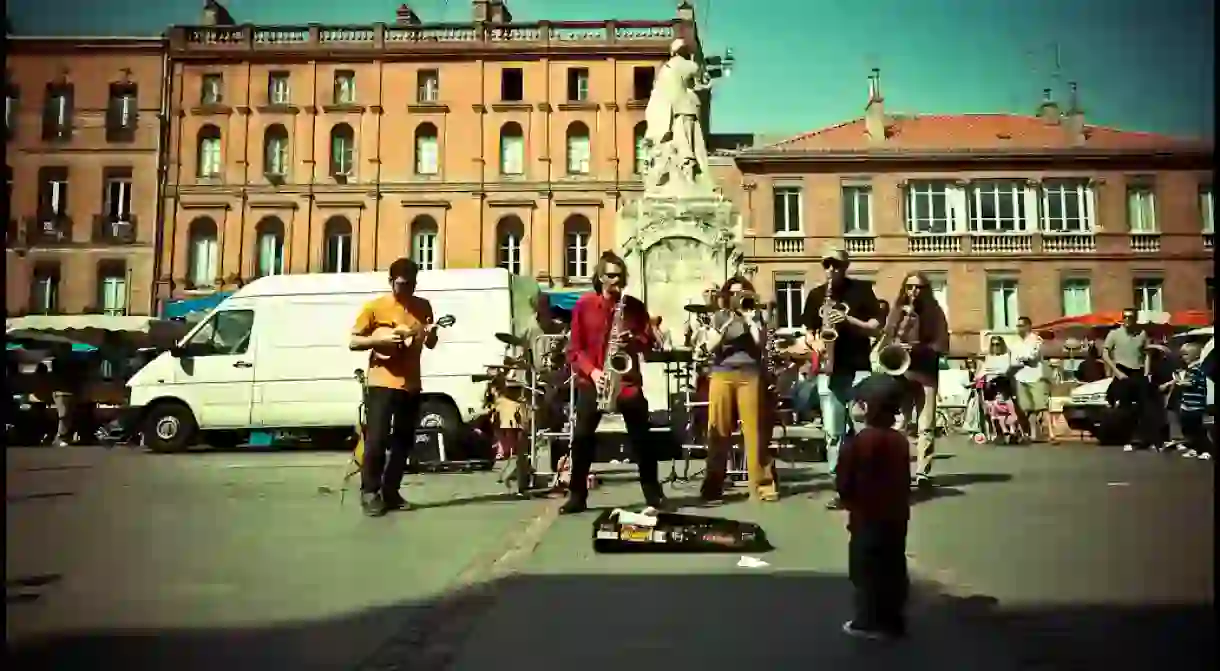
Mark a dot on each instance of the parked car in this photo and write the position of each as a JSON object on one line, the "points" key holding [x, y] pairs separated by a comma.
{"points": [[1086, 407]]}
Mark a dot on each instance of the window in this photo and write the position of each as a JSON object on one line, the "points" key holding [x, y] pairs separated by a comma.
{"points": [[338, 258], [277, 88], [939, 285], [1141, 209], [342, 150], [578, 149], [1207, 209], [118, 197], [1067, 206], [428, 86], [44, 290], [1002, 308], [227, 333], [52, 191], [112, 288], [203, 254], [577, 234], [789, 301], [1077, 297], [12, 100], [857, 210], [578, 85], [121, 112], [427, 151], [270, 247], [1149, 294], [641, 154], [512, 149], [928, 208], [345, 87], [997, 207], [510, 234], [512, 85], [57, 114], [787, 210], [424, 236], [211, 90], [641, 82], [209, 151], [275, 151]]}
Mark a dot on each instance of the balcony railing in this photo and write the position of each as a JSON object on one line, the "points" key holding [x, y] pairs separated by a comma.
{"points": [[789, 245], [1002, 243], [108, 230], [49, 229], [401, 38], [860, 244], [1145, 243], [1068, 243], [934, 243]]}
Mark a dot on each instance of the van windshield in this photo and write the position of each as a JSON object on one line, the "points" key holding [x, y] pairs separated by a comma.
{"points": [[226, 332]]}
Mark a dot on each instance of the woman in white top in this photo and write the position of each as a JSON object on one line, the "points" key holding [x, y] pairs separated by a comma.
{"points": [[998, 362]]}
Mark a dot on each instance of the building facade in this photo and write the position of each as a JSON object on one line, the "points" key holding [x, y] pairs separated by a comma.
{"points": [[82, 146], [1040, 215], [341, 148]]}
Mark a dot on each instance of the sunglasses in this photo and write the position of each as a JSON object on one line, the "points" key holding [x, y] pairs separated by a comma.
{"points": [[612, 275], [915, 286], [832, 264]]}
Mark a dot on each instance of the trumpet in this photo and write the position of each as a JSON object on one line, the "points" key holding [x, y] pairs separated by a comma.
{"points": [[892, 358], [744, 301]]}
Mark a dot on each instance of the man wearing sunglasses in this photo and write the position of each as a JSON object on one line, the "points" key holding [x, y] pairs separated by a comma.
{"points": [[851, 349]]}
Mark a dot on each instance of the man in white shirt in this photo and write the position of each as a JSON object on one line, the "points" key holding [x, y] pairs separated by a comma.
{"points": [[1033, 386]]}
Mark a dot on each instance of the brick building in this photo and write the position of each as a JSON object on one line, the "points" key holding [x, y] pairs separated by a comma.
{"points": [[1040, 215], [335, 148], [82, 147]]}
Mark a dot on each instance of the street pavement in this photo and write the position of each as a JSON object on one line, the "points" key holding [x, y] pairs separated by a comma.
{"points": [[1066, 558]]}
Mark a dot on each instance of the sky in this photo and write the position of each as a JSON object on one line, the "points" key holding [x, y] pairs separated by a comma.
{"points": [[802, 64]]}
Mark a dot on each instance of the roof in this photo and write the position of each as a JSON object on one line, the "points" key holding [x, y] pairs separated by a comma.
{"points": [[375, 282], [966, 132]]}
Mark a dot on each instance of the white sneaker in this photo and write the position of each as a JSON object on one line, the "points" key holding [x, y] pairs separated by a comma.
{"points": [[1182, 447], [849, 628], [1205, 456], [1190, 454], [1128, 448]]}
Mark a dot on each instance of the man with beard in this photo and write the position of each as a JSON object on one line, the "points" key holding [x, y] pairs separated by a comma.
{"points": [[848, 352]]}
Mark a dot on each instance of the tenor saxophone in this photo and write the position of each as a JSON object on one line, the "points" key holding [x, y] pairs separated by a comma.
{"points": [[617, 364], [829, 333], [892, 358]]}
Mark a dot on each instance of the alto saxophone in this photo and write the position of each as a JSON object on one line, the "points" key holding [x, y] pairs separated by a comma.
{"points": [[617, 364], [892, 358], [829, 333]]}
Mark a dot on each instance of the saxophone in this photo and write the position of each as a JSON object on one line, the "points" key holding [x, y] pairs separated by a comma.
{"points": [[829, 333], [617, 364], [891, 357]]}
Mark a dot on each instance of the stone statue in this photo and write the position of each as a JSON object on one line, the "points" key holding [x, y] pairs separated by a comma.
{"points": [[673, 141]]}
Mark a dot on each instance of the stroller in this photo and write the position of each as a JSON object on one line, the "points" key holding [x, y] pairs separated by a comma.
{"points": [[985, 390]]}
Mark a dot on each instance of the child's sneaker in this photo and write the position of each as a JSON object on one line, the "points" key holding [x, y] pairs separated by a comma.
{"points": [[850, 629], [1190, 454], [1128, 448], [1205, 456]]}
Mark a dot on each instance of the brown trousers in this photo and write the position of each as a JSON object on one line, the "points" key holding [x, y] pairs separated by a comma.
{"points": [[733, 396]]}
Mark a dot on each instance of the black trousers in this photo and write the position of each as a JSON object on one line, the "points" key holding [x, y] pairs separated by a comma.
{"points": [[1195, 432], [1137, 393], [634, 410], [877, 566], [390, 417]]}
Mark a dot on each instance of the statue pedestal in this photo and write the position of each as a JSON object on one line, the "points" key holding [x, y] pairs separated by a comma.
{"points": [[676, 248]]}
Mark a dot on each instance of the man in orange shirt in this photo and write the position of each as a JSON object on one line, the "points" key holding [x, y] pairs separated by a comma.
{"points": [[395, 328]]}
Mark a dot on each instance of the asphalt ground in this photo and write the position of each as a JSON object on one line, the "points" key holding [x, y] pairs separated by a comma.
{"points": [[1069, 557]]}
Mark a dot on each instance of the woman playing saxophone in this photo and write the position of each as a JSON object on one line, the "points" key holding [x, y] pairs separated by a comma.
{"points": [[917, 325]]}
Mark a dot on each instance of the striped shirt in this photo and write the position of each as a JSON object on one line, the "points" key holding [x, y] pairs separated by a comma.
{"points": [[1193, 389]]}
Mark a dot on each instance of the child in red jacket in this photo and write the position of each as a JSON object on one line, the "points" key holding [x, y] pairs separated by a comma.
{"points": [[873, 480]]}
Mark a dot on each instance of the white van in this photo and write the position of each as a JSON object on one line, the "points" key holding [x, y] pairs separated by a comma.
{"points": [[275, 356]]}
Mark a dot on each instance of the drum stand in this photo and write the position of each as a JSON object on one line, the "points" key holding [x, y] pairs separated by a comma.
{"points": [[542, 472], [683, 374]]}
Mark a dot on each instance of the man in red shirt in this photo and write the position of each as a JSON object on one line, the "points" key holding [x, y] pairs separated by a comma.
{"points": [[873, 481], [591, 322]]}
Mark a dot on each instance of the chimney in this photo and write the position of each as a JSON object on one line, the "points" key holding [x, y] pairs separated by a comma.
{"points": [[874, 109], [215, 14], [1048, 111], [499, 13], [405, 16], [481, 12], [1075, 118]]}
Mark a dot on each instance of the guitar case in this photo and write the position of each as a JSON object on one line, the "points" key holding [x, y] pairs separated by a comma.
{"points": [[677, 533]]}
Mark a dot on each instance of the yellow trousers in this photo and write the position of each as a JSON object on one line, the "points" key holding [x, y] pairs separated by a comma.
{"points": [[732, 396]]}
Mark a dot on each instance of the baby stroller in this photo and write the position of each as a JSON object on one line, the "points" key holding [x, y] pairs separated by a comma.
{"points": [[992, 430]]}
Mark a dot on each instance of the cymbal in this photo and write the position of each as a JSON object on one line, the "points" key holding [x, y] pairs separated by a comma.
{"points": [[695, 308], [510, 340]]}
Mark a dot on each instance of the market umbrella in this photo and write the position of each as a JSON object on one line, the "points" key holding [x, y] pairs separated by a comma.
{"points": [[28, 339]]}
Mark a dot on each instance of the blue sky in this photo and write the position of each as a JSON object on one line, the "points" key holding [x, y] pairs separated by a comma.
{"points": [[801, 64]]}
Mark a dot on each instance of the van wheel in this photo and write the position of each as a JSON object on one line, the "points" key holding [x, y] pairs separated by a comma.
{"points": [[169, 427], [438, 414]]}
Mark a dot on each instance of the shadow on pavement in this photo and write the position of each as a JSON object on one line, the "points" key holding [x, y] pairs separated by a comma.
{"points": [[770, 620]]}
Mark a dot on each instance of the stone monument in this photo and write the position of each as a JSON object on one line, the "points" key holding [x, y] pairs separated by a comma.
{"points": [[681, 237]]}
